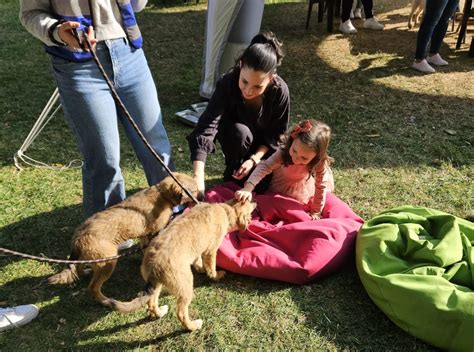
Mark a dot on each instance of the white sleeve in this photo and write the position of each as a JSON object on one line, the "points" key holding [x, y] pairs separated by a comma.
{"points": [[36, 17]]}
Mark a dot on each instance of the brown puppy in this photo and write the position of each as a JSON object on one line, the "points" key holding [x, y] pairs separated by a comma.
{"points": [[191, 239], [143, 214]]}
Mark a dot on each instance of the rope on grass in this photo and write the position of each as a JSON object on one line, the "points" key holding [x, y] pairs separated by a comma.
{"points": [[132, 250], [39, 125]]}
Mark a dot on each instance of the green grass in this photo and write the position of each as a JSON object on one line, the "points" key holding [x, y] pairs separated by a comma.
{"points": [[390, 145]]}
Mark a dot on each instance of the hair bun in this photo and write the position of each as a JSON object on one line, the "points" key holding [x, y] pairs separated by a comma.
{"points": [[271, 39]]}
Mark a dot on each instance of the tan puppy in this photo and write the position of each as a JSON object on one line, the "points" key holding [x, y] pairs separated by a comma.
{"points": [[191, 239], [143, 214], [416, 13]]}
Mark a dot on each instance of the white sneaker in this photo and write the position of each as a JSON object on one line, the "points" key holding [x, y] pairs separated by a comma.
{"points": [[17, 316], [125, 245], [357, 13], [423, 66], [347, 27], [351, 15], [437, 60], [372, 23]]}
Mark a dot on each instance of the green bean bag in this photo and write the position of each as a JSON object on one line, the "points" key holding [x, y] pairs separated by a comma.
{"points": [[417, 265]]}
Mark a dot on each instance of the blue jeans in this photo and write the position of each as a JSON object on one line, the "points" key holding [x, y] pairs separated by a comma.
{"points": [[434, 26], [92, 114]]}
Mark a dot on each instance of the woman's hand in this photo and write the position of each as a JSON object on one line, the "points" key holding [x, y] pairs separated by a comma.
{"points": [[244, 169], [198, 175], [65, 33]]}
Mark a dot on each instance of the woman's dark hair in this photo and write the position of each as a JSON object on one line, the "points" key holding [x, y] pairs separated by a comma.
{"points": [[263, 54]]}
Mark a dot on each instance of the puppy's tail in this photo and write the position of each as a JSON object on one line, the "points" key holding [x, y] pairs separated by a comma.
{"points": [[67, 276], [133, 305]]}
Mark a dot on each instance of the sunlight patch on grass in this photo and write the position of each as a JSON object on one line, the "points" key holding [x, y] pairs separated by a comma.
{"points": [[344, 62], [448, 83]]}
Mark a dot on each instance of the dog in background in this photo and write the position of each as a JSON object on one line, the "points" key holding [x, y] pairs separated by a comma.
{"points": [[416, 13], [190, 240], [143, 214]]}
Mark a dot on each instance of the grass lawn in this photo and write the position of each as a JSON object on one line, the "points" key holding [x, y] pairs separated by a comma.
{"points": [[400, 137]]}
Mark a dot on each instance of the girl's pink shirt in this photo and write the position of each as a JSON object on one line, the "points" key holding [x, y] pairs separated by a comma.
{"points": [[295, 181]]}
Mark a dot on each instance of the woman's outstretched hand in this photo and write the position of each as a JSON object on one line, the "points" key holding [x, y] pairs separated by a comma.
{"points": [[65, 32], [198, 175], [243, 170]]}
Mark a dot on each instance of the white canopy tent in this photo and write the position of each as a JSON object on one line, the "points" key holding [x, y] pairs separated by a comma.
{"points": [[230, 26]]}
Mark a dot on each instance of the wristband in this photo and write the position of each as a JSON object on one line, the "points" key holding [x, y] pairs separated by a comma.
{"points": [[255, 162], [51, 33]]}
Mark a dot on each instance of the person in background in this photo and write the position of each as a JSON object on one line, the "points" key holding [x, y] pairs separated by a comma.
{"points": [[300, 168], [87, 102], [247, 113], [370, 22], [432, 30], [15, 317], [357, 12]]}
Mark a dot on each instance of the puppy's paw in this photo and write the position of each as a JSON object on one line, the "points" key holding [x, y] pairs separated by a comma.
{"points": [[219, 275], [162, 311], [158, 312], [66, 276], [197, 324], [199, 268]]}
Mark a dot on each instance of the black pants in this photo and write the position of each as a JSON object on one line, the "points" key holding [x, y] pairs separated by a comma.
{"points": [[347, 6], [237, 142]]}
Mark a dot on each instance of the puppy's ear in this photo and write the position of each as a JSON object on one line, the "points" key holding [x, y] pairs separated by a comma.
{"points": [[170, 190], [192, 188], [243, 212]]}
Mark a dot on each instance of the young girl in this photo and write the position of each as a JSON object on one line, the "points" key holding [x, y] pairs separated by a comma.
{"points": [[247, 113], [300, 167]]}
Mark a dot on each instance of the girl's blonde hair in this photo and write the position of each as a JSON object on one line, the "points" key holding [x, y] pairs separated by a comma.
{"points": [[314, 134]]}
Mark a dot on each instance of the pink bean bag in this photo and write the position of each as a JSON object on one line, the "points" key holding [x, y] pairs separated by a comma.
{"points": [[283, 243]]}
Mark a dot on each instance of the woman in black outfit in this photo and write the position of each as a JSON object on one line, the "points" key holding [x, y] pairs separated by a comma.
{"points": [[247, 113]]}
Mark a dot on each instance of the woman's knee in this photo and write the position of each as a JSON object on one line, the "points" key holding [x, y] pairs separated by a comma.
{"points": [[241, 134]]}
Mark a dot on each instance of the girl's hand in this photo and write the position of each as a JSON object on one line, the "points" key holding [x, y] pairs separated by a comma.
{"points": [[243, 170], [65, 32], [315, 216], [243, 195]]}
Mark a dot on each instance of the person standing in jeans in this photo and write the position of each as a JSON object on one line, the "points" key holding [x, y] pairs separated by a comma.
{"points": [[432, 30], [88, 105]]}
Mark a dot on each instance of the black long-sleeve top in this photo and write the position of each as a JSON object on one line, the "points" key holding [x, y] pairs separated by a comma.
{"points": [[227, 103]]}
